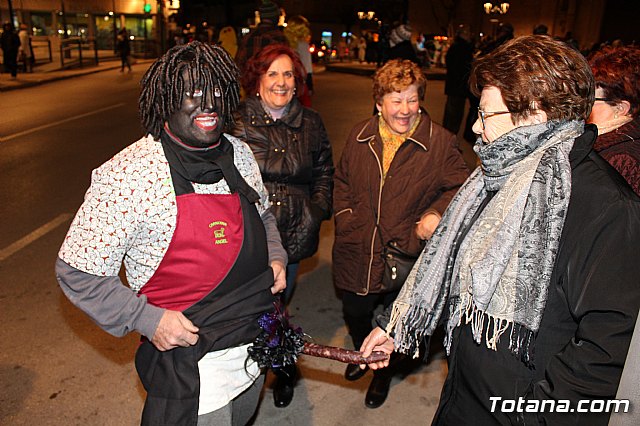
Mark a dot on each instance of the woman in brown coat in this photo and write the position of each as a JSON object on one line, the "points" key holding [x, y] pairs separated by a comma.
{"points": [[397, 174]]}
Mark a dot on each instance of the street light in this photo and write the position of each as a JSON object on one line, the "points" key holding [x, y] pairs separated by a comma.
{"points": [[366, 15], [501, 8]]}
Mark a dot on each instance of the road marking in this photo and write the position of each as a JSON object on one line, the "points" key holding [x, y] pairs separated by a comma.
{"points": [[66, 120], [40, 232]]}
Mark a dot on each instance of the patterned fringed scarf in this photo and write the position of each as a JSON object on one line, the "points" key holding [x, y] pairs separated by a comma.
{"points": [[500, 276]]}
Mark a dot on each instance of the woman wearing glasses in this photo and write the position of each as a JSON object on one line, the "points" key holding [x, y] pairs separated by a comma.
{"points": [[538, 315], [615, 111]]}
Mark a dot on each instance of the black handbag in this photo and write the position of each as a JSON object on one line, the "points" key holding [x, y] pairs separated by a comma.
{"points": [[397, 265]]}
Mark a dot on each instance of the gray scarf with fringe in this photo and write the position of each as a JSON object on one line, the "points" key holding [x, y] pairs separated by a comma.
{"points": [[497, 277]]}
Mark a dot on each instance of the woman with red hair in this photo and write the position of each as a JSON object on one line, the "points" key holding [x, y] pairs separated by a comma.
{"points": [[615, 110], [290, 144]]}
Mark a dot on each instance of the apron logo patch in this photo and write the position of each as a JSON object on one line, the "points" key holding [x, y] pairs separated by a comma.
{"points": [[218, 232]]}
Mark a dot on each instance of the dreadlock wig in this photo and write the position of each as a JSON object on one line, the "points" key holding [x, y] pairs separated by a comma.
{"points": [[209, 68]]}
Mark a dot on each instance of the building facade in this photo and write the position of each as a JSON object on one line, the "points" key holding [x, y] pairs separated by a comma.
{"points": [[99, 20]]}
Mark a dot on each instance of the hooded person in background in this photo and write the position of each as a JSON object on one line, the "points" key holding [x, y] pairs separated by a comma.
{"points": [[400, 44], [10, 43], [266, 33], [298, 32], [184, 208], [228, 40]]}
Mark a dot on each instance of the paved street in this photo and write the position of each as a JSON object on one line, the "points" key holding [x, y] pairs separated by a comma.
{"points": [[56, 366]]}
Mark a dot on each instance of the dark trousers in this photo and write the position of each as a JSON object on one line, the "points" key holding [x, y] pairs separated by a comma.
{"points": [[10, 59], [125, 61], [358, 312]]}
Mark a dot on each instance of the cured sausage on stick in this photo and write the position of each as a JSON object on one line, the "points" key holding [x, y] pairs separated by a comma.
{"points": [[342, 355]]}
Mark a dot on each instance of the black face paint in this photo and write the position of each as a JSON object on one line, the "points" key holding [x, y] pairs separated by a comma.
{"points": [[199, 121]]}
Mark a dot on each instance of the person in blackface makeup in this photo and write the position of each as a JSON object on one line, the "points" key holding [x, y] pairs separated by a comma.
{"points": [[533, 269], [184, 208]]}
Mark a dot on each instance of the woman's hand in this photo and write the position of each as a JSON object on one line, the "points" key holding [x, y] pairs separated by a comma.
{"points": [[377, 340], [427, 225]]}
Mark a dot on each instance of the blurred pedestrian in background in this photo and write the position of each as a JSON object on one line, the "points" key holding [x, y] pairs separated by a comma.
{"points": [[396, 176], [10, 43], [504, 34], [362, 49], [292, 149], [456, 86], [267, 32], [184, 208], [124, 49], [534, 268], [298, 32], [616, 109], [25, 52], [540, 29], [228, 40], [400, 44]]}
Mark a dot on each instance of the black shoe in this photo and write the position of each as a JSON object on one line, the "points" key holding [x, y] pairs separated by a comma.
{"points": [[354, 372], [378, 391], [283, 388]]}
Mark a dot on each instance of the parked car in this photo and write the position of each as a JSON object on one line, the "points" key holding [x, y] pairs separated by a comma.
{"points": [[321, 52]]}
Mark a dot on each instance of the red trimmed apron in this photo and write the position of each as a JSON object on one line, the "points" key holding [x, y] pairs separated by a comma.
{"points": [[205, 245], [216, 270]]}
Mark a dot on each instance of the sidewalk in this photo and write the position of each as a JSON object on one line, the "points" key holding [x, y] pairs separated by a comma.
{"points": [[354, 67], [50, 72]]}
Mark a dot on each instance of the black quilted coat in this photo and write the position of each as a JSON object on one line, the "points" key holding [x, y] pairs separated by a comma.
{"points": [[294, 156]]}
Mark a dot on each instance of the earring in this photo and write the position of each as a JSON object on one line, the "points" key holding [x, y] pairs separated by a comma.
{"points": [[419, 110], [257, 94], [379, 113], [294, 90]]}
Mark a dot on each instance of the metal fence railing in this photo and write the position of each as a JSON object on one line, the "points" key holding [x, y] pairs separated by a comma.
{"points": [[41, 48], [141, 48], [76, 51]]}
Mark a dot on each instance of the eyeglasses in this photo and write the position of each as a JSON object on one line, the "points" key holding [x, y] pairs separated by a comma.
{"points": [[483, 115], [604, 99]]}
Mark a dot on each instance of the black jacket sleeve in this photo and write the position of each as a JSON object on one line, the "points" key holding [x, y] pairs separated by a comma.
{"points": [[323, 169]]}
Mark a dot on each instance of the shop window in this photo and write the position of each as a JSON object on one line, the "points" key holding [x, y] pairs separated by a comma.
{"points": [[42, 23]]}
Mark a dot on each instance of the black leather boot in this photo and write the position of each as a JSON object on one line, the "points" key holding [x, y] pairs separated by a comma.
{"points": [[378, 389], [354, 372], [283, 388]]}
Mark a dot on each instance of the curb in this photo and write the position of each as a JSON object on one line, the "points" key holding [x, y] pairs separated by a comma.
{"points": [[368, 72], [46, 80], [60, 77]]}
